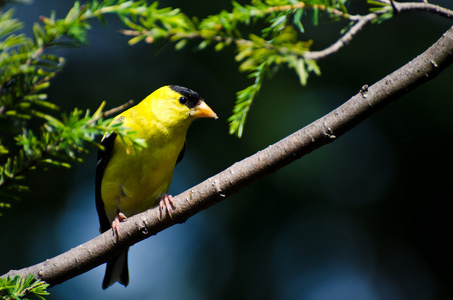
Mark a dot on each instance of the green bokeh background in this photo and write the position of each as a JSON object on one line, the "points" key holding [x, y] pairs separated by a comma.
{"points": [[367, 217]]}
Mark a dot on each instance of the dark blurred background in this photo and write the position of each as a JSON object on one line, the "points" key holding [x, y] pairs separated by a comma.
{"points": [[367, 217]]}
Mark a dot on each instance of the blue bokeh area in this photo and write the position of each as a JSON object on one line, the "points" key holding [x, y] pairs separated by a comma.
{"points": [[367, 217]]}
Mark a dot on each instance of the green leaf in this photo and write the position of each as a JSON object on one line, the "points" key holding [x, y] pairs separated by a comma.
{"points": [[21, 288], [56, 163], [297, 20], [181, 44], [315, 16]]}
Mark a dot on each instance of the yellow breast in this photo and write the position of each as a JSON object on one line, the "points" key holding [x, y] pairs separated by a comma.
{"points": [[135, 179]]}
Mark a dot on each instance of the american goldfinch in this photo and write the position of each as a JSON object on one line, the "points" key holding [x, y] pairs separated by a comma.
{"points": [[131, 180]]}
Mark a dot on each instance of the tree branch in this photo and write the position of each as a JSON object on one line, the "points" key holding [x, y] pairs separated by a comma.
{"points": [[344, 40], [215, 189], [424, 6], [362, 21]]}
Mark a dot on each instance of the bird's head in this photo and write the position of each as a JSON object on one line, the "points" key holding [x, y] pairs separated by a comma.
{"points": [[176, 105]]}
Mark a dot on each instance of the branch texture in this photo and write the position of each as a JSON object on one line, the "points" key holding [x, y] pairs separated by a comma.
{"points": [[363, 21], [321, 132], [428, 7]]}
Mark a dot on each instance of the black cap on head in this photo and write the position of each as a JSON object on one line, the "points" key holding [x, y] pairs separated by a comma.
{"points": [[192, 97]]}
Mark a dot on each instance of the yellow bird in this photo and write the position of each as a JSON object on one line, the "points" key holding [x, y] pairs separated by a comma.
{"points": [[131, 180]]}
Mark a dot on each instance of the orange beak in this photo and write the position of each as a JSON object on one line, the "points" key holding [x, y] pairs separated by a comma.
{"points": [[202, 110]]}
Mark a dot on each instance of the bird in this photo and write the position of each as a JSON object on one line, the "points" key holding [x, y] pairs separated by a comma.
{"points": [[130, 180]]}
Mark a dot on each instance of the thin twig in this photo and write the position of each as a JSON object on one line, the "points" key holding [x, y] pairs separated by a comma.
{"points": [[117, 109], [363, 21], [344, 40], [420, 6]]}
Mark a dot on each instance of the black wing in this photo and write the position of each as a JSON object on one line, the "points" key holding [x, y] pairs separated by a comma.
{"points": [[103, 159]]}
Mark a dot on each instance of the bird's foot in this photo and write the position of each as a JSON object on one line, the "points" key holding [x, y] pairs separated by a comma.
{"points": [[120, 217], [167, 202]]}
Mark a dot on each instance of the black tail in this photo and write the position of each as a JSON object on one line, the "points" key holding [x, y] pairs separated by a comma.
{"points": [[116, 271]]}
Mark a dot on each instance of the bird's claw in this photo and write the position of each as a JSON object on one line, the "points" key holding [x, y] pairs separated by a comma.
{"points": [[120, 217], [166, 202]]}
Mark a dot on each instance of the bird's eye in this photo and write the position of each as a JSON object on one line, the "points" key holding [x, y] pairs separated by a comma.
{"points": [[183, 100]]}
